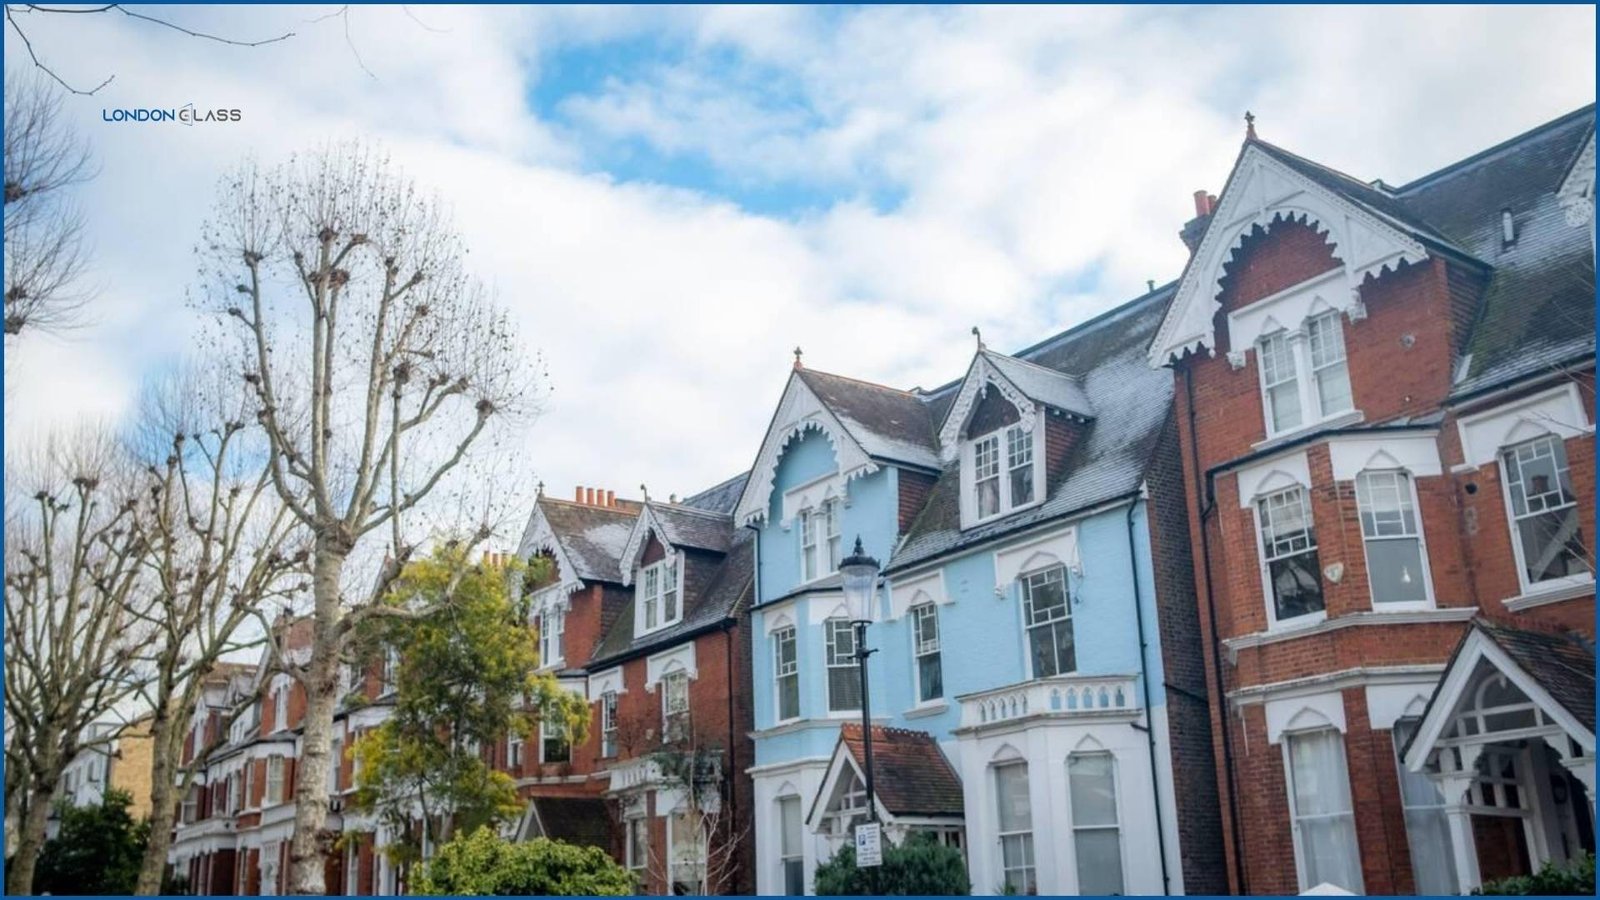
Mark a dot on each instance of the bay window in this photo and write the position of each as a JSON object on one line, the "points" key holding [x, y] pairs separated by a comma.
{"points": [[1304, 378], [1289, 554], [844, 679], [786, 673], [1545, 524], [1047, 614], [1321, 815], [1392, 532], [553, 744], [1096, 830], [791, 850], [925, 647], [1016, 828]]}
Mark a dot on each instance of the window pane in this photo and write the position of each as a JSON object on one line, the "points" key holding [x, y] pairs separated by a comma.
{"points": [[1045, 595], [1394, 568], [1384, 499], [1328, 362], [1011, 792], [1324, 823], [1052, 650], [1016, 852], [1019, 462], [930, 680], [789, 696], [1289, 542], [1427, 833], [1093, 790], [844, 689], [1552, 544], [1099, 861], [1280, 383], [988, 497]]}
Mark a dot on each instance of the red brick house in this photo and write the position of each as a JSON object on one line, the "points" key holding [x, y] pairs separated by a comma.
{"points": [[650, 604], [1385, 399]]}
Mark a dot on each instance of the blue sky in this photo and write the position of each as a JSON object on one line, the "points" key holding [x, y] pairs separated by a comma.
{"points": [[669, 199]]}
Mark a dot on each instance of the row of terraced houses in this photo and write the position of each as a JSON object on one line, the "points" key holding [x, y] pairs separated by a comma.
{"points": [[1277, 576]]}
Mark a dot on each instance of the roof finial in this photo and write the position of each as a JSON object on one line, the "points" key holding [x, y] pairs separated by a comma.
{"points": [[541, 489], [645, 491], [1249, 125], [797, 354], [979, 335]]}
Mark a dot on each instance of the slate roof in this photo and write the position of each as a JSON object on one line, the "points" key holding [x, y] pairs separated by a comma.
{"points": [[716, 589], [699, 529], [592, 536], [1105, 358], [888, 423], [722, 498], [1537, 312], [1562, 663], [583, 821], [910, 775], [1047, 386]]}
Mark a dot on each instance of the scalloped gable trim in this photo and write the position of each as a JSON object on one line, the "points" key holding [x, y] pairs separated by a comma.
{"points": [[800, 410], [1263, 191]]}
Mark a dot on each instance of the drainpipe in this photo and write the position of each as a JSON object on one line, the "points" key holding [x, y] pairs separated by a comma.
{"points": [[1201, 511], [1149, 724], [733, 755]]}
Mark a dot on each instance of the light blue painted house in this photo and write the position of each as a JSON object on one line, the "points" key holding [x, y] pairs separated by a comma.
{"points": [[1038, 690]]}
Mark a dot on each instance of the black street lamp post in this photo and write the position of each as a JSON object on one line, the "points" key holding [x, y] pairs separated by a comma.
{"points": [[860, 574]]}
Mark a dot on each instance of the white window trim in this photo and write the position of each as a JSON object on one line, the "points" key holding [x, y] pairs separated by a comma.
{"points": [[544, 734], [516, 750], [1118, 826], [1560, 411], [1298, 342], [631, 854], [556, 610], [1020, 591], [1274, 625], [828, 554], [666, 695], [917, 654], [999, 835], [777, 675], [280, 711], [1294, 830], [267, 798], [639, 628], [608, 735], [1429, 600], [828, 667], [969, 503], [1564, 585]]}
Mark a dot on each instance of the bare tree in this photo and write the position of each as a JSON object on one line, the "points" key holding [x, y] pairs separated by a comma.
{"points": [[73, 583], [222, 551], [44, 255], [695, 769], [375, 363]]}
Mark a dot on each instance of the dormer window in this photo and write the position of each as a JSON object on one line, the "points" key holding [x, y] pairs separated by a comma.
{"points": [[659, 585], [1003, 478], [819, 540]]}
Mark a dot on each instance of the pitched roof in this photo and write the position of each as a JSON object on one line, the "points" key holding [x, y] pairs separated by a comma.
{"points": [[1562, 663], [720, 498], [593, 537], [1048, 386], [716, 589], [1105, 358], [888, 423], [583, 821], [686, 526], [910, 774]]}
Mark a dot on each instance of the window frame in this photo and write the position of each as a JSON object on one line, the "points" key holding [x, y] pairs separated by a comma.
{"points": [[1004, 453], [1407, 495], [1264, 562], [560, 738], [632, 857], [515, 747], [658, 573], [1025, 608], [268, 796], [790, 634], [552, 637], [1032, 868], [1296, 832], [926, 611], [821, 537], [798, 854], [1307, 388], [1558, 583], [1412, 723], [608, 724], [280, 712], [1115, 826], [831, 628], [674, 720]]}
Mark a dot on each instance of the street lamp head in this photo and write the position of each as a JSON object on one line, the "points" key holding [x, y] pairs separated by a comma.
{"points": [[860, 574]]}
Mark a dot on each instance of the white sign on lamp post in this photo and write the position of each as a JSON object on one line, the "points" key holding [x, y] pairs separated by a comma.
{"points": [[869, 845]]}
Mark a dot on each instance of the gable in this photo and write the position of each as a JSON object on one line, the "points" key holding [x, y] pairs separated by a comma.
{"points": [[798, 412], [1264, 191], [539, 539]]}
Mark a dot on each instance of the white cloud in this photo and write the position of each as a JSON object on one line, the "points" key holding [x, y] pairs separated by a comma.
{"points": [[1043, 160]]}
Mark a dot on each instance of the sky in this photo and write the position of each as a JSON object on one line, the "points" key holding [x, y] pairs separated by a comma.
{"points": [[670, 200]]}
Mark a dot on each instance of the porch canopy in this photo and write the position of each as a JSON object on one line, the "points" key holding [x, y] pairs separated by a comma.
{"points": [[1512, 715], [912, 782]]}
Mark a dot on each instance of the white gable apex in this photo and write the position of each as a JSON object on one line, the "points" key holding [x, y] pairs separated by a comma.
{"points": [[1260, 191], [799, 411], [981, 375], [539, 537]]}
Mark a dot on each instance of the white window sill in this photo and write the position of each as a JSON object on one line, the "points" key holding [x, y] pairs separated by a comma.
{"points": [[1349, 417], [929, 708], [1298, 623], [1551, 592]]}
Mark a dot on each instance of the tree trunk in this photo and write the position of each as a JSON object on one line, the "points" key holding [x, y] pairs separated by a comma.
{"points": [[19, 874], [306, 874], [162, 808]]}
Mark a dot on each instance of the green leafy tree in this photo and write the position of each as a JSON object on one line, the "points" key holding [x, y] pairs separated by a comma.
{"points": [[919, 865], [97, 850], [467, 678], [484, 864], [1574, 878]]}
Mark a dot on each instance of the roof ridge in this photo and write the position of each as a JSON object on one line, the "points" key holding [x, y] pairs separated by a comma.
{"points": [[1032, 364], [1311, 162], [1484, 154], [860, 381], [718, 486], [695, 510]]}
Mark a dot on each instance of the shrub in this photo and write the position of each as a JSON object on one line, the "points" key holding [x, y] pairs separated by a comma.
{"points": [[97, 850], [1576, 877], [918, 866], [483, 863]]}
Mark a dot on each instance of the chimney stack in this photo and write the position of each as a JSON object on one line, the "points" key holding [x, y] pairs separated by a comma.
{"points": [[579, 497], [611, 498], [1205, 204]]}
